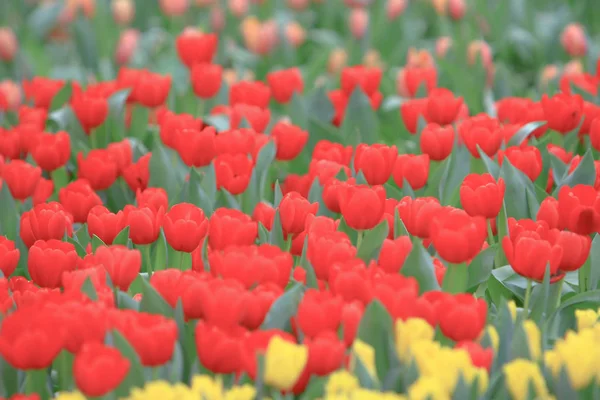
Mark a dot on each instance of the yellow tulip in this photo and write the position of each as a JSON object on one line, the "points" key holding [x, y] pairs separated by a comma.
{"points": [[408, 333], [284, 362], [534, 339], [428, 388], [578, 354], [245, 392], [366, 354], [70, 396], [586, 319], [206, 387], [512, 307], [519, 374], [341, 383]]}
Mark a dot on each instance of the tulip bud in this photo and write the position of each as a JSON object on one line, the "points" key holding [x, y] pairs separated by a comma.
{"points": [[230, 76], [295, 33], [239, 8], [11, 92], [217, 19], [573, 67], [441, 6], [359, 22], [395, 8], [204, 3], [573, 40], [442, 45], [549, 73], [174, 8], [8, 44], [123, 11], [457, 9], [419, 58], [337, 61], [372, 59], [479, 49], [298, 5], [267, 37], [126, 46]]}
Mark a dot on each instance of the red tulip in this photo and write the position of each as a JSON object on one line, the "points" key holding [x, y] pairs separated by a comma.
{"points": [[294, 210], [595, 133], [21, 178], [196, 147], [206, 80], [362, 206], [258, 303], [229, 227], [326, 150], [529, 255], [153, 198], [417, 214], [219, 349], [137, 174], [233, 172], [528, 159], [42, 90], [251, 93], [576, 249], [327, 248], [45, 222], [411, 79], [224, 303], [412, 168], [285, 83], [480, 357], [331, 191], [410, 111], [456, 236], [289, 140], [48, 260], [462, 316], [252, 265], [9, 256], [264, 213], [579, 209], [482, 195], [104, 224], [483, 131], [171, 125], [442, 107], [90, 110], [195, 47], [351, 316], [99, 168], [43, 191], [99, 369], [79, 198], [52, 150], [122, 264], [185, 226], [367, 79], [319, 312], [375, 161], [393, 254], [257, 117], [151, 90], [30, 338], [548, 212], [437, 142], [562, 111], [152, 336], [121, 153], [144, 224]]}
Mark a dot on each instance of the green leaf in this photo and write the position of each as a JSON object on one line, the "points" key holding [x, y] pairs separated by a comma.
{"points": [[594, 273], [85, 42], [522, 134], [160, 258], [374, 329], [517, 185], [62, 97], [456, 278], [278, 195], [456, 170], [89, 290], [509, 279], [399, 227], [492, 166], [360, 123], [311, 277], [481, 267], [372, 242], [563, 317], [44, 18], [419, 265], [166, 170], [135, 376], [298, 111], [559, 169], [584, 174], [544, 298], [276, 235], [283, 309], [96, 242], [319, 105], [9, 215], [152, 302], [78, 247], [122, 237]]}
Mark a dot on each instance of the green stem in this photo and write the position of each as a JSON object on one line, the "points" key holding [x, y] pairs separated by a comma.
{"points": [[36, 383], [147, 256], [359, 238], [64, 365], [490, 233], [200, 109], [559, 297], [180, 255], [93, 140], [527, 298]]}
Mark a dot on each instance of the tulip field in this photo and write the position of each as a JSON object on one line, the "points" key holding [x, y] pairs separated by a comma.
{"points": [[300, 199]]}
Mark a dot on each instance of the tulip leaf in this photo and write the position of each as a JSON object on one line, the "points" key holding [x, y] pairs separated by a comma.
{"points": [[559, 169], [298, 111], [62, 97], [9, 215], [89, 290], [372, 241], [544, 297], [407, 190], [122, 237], [512, 281], [481, 266], [522, 134], [86, 43], [126, 302], [374, 329], [584, 174], [78, 247], [456, 170], [516, 193], [152, 302], [519, 345], [276, 237], [166, 169], [263, 234], [563, 318], [319, 106], [360, 123], [491, 166], [419, 265], [594, 271], [160, 259], [456, 278], [96, 242], [230, 200], [44, 18], [9, 378], [399, 227], [363, 375], [278, 195], [283, 309], [304, 263], [135, 376]]}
